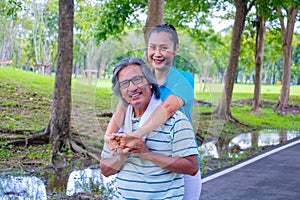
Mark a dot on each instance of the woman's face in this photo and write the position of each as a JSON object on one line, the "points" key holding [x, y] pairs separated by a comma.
{"points": [[161, 50]]}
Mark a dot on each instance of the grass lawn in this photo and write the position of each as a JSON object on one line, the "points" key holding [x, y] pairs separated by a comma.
{"points": [[25, 100]]}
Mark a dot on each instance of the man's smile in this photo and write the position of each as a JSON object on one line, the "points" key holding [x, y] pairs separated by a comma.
{"points": [[135, 94]]}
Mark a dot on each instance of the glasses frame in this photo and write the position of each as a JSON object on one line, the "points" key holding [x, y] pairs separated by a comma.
{"points": [[126, 83]]}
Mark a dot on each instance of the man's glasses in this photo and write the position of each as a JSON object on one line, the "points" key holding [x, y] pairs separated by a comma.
{"points": [[135, 80]]}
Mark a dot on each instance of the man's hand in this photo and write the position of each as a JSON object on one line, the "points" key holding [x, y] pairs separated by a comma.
{"points": [[110, 166], [141, 150], [126, 142]]}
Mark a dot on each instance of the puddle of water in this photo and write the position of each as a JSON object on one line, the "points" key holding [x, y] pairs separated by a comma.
{"points": [[245, 141], [91, 181], [22, 187], [29, 187]]}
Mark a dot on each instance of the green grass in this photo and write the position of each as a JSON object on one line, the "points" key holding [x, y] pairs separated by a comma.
{"points": [[32, 92], [36, 83], [247, 88], [267, 119], [25, 100]]}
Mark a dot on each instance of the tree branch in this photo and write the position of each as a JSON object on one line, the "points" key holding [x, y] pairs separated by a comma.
{"points": [[250, 6]]}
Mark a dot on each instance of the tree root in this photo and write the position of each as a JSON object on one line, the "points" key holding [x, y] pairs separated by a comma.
{"points": [[234, 120], [13, 131], [229, 118], [105, 114], [77, 148], [34, 140], [281, 109], [72, 143], [206, 113]]}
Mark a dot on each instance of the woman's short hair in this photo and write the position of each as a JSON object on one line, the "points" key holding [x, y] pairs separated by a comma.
{"points": [[145, 70]]}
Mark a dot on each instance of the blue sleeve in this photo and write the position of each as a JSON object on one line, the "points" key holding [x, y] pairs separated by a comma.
{"points": [[180, 84], [189, 77]]}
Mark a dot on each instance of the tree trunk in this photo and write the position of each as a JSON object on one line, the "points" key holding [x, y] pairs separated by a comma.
{"points": [[59, 122], [287, 37], [155, 16], [259, 58], [26, 64], [223, 109], [266, 73], [36, 31], [7, 38], [77, 65]]}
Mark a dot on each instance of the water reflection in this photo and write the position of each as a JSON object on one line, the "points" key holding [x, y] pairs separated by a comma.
{"points": [[244, 141], [91, 181], [209, 149], [22, 187]]}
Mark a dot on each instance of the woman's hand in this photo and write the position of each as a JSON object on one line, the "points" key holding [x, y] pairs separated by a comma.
{"points": [[126, 141], [111, 142]]}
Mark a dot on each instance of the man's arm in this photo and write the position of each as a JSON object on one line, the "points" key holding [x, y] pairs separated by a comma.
{"points": [[114, 125], [180, 165], [111, 166]]}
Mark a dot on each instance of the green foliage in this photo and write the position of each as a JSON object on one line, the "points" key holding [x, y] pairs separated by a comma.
{"points": [[99, 21], [109, 18], [10, 8], [181, 13]]}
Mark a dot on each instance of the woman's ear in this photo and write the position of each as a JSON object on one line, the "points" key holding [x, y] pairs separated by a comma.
{"points": [[176, 48]]}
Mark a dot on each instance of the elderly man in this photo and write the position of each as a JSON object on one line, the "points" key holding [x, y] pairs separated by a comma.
{"points": [[154, 168]]}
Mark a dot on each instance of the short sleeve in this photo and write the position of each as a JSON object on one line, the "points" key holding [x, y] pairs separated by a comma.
{"points": [[184, 143], [181, 84]]}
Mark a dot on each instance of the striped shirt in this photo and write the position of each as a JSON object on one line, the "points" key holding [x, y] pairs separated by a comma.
{"points": [[141, 179]]}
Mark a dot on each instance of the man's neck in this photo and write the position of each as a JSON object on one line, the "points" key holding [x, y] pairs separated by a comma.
{"points": [[139, 111]]}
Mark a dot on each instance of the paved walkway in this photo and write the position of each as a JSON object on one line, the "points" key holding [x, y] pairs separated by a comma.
{"points": [[273, 175]]}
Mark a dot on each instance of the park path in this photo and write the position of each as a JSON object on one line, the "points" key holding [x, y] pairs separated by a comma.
{"points": [[271, 175]]}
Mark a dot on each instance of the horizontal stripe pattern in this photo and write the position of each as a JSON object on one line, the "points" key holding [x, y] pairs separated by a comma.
{"points": [[141, 179]]}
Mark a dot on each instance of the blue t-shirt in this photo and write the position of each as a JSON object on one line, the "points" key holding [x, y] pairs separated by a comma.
{"points": [[181, 84]]}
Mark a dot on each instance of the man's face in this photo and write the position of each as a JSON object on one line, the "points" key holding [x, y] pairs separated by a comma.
{"points": [[161, 51], [138, 94]]}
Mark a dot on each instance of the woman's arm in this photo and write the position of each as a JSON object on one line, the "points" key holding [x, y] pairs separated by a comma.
{"points": [[171, 104]]}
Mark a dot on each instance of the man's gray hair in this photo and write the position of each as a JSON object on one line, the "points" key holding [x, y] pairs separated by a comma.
{"points": [[145, 70]]}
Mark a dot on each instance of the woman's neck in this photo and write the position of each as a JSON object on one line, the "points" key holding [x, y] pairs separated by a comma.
{"points": [[160, 75]]}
